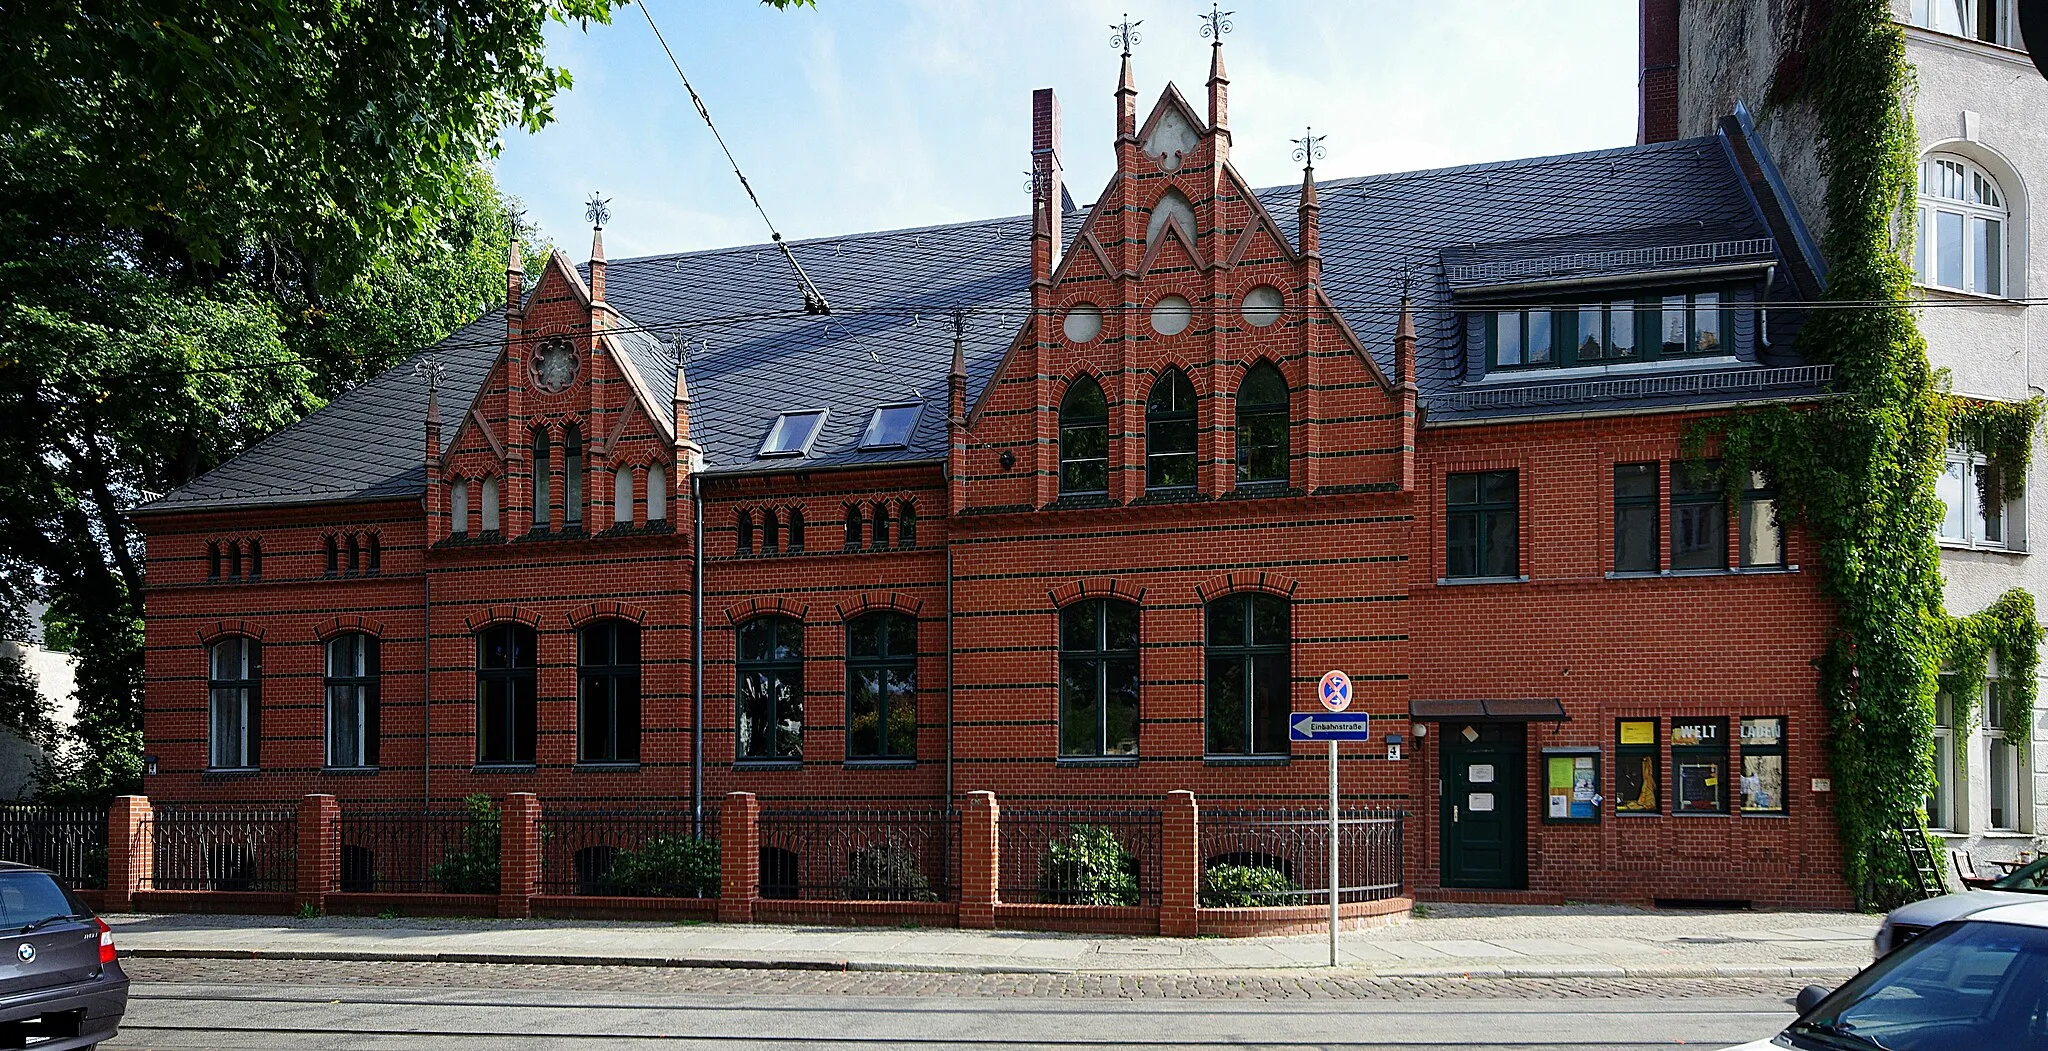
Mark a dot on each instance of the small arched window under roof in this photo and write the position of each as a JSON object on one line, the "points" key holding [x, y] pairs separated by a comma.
{"points": [[1964, 221], [1084, 438]]}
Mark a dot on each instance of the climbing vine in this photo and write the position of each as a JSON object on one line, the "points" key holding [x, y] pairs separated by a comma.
{"points": [[2003, 431], [1858, 469], [2009, 630]]}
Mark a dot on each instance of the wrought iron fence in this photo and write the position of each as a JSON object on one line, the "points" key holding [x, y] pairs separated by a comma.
{"points": [[417, 852], [69, 841], [646, 854], [860, 855], [220, 848], [1282, 857], [1079, 857]]}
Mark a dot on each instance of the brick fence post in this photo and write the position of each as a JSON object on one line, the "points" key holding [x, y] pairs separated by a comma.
{"points": [[1180, 866], [980, 860], [518, 854], [319, 852], [739, 857], [130, 857]]}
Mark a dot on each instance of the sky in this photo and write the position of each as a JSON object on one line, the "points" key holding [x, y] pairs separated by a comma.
{"points": [[881, 114]]}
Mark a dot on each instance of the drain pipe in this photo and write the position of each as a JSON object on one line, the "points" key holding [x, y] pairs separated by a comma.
{"points": [[697, 653], [949, 672], [426, 685]]}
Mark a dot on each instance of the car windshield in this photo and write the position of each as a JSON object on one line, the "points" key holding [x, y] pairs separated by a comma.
{"points": [[2032, 877], [1961, 987], [30, 897]]}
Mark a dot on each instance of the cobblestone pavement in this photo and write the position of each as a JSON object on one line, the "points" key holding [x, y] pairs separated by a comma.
{"points": [[1260, 986]]}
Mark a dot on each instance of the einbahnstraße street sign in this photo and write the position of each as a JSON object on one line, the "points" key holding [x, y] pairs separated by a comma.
{"points": [[1329, 726]]}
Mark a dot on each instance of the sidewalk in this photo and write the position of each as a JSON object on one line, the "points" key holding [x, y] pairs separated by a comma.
{"points": [[1453, 940]]}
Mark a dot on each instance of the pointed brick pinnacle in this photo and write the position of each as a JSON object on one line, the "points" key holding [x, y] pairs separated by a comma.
{"points": [[1126, 102], [682, 383], [597, 244]]}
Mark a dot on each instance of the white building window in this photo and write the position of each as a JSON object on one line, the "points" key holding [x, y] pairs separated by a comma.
{"points": [[1941, 802], [234, 682], [657, 493], [1983, 503], [491, 504], [1988, 20], [2002, 754], [622, 496], [1962, 227]]}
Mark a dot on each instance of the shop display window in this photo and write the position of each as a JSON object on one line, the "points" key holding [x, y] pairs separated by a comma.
{"points": [[1636, 767], [1699, 766], [1763, 765]]}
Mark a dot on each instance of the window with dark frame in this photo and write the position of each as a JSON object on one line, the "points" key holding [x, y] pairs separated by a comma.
{"points": [[1084, 439], [376, 554], [1761, 536], [1248, 692], [506, 715], [1941, 797], [234, 700], [2007, 772], [743, 526], [1482, 525], [796, 530], [213, 558], [1170, 432], [878, 525], [1262, 426], [542, 471], [771, 531], [256, 558], [352, 696], [1538, 336], [1637, 540], [1099, 679], [333, 555], [770, 670], [1699, 515], [906, 524], [854, 522], [1638, 770], [608, 692], [572, 479], [1699, 766], [881, 686], [1763, 764]]}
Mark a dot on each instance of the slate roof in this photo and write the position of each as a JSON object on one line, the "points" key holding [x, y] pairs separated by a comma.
{"points": [[891, 340]]}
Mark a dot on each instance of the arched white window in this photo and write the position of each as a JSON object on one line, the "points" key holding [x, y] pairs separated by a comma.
{"points": [[622, 496], [1962, 233], [491, 504], [657, 493], [458, 507]]}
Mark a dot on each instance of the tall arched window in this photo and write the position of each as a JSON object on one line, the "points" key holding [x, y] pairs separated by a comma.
{"points": [[505, 717], [490, 516], [1262, 447], [879, 535], [1170, 433], [333, 556], [608, 692], [572, 478], [657, 493], [796, 529], [854, 526], [1084, 438], [352, 718], [458, 507], [770, 670], [906, 524], [771, 531], [376, 553], [542, 471], [881, 686], [234, 703], [355, 553], [1248, 696], [234, 560], [1099, 679], [256, 558], [622, 495], [743, 533], [213, 559], [1963, 221]]}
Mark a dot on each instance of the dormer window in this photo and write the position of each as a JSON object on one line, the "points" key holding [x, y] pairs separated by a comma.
{"points": [[793, 433], [890, 427], [1675, 326]]}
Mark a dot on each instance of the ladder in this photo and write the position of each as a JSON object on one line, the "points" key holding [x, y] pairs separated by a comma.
{"points": [[1927, 878]]}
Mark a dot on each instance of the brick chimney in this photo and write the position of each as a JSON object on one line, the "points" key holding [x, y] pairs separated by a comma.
{"points": [[1045, 186], [1657, 83]]}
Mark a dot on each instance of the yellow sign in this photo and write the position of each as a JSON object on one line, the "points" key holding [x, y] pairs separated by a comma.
{"points": [[1638, 733]]}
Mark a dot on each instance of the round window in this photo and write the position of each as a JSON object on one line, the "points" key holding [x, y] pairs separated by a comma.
{"points": [[1083, 323], [1170, 316], [1263, 305]]}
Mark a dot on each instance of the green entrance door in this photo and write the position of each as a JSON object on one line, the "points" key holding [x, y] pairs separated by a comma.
{"points": [[1484, 811]]}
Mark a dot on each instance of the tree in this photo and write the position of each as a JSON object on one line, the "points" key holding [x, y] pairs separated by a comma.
{"points": [[213, 217]]}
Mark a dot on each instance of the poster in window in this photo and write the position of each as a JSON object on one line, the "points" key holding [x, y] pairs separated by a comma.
{"points": [[1694, 734], [1699, 786], [1572, 787], [1763, 783], [1638, 731]]}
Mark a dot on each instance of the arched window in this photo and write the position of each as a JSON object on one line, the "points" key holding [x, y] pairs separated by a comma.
{"points": [[1084, 438], [458, 507], [743, 526], [1170, 433], [505, 694], [256, 558], [572, 478], [881, 686], [854, 524], [352, 724], [234, 703], [542, 474], [771, 531], [376, 553], [906, 524], [1099, 679], [213, 558], [657, 493], [770, 670], [333, 555], [1963, 220], [796, 529], [234, 560], [608, 692], [490, 523], [1247, 686], [622, 496], [879, 537], [355, 553], [1262, 446]]}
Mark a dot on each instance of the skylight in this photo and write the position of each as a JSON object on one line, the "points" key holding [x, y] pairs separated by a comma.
{"points": [[792, 433], [890, 427]]}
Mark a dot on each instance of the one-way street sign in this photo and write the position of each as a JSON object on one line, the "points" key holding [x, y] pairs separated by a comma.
{"points": [[1329, 726]]}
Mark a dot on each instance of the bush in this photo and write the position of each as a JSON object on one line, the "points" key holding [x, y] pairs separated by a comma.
{"points": [[1088, 867], [886, 871], [1246, 887], [472, 867], [666, 867]]}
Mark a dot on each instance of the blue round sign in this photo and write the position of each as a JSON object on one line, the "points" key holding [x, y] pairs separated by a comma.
{"points": [[1335, 691]]}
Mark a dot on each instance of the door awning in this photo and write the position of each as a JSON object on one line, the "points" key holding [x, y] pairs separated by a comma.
{"points": [[1519, 710]]}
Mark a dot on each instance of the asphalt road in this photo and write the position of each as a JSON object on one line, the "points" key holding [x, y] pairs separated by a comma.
{"points": [[217, 1006]]}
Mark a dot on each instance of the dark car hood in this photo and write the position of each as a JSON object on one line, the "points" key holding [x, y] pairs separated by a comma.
{"points": [[1954, 906]]}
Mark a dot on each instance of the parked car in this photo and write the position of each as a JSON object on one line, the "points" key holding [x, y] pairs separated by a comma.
{"points": [[61, 983], [2029, 883], [1974, 984]]}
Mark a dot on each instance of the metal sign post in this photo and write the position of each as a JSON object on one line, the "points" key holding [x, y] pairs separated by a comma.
{"points": [[1335, 693], [1333, 852]]}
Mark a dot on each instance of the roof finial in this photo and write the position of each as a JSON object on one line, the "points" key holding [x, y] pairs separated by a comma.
{"points": [[598, 210], [1126, 88], [1217, 23], [515, 222], [1309, 148], [1126, 34]]}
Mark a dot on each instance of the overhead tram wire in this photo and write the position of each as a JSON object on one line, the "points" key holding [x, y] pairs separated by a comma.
{"points": [[814, 300]]}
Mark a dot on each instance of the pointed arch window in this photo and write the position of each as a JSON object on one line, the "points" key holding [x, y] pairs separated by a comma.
{"points": [[906, 524], [622, 496], [333, 556], [657, 494], [1170, 433], [235, 560], [796, 529], [771, 531], [490, 516], [1262, 439], [458, 507], [744, 524], [879, 536], [572, 478], [1084, 438], [542, 468], [213, 558], [854, 527], [1963, 221]]}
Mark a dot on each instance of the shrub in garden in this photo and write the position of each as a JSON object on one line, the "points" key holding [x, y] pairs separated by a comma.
{"points": [[666, 867], [1246, 887], [1088, 866], [471, 867], [886, 871]]}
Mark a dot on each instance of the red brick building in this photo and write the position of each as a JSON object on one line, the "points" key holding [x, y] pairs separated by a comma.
{"points": [[1071, 507]]}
